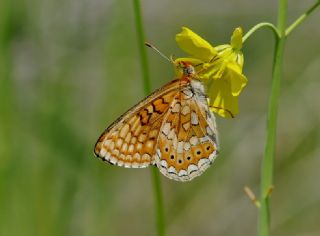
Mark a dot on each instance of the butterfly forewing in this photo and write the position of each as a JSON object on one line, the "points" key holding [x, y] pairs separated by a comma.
{"points": [[131, 140]]}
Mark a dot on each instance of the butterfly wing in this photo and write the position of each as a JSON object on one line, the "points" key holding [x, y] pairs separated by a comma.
{"points": [[187, 144], [131, 140]]}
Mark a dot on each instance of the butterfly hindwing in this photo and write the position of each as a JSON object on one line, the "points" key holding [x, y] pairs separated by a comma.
{"points": [[187, 143]]}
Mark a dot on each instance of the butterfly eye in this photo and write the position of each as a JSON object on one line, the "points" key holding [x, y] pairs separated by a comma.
{"points": [[208, 148], [188, 70]]}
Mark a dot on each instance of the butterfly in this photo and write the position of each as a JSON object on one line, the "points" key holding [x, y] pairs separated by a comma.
{"points": [[172, 129]]}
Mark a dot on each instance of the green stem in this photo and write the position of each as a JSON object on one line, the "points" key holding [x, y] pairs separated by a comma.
{"points": [[142, 48], [158, 202], [268, 160], [259, 26], [146, 82], [302, 18]]}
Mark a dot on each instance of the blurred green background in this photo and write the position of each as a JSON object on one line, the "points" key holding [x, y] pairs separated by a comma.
{"points": [[70, 68]]}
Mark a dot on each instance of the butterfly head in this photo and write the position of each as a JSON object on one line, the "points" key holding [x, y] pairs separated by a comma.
{"points": [[186, 68]]}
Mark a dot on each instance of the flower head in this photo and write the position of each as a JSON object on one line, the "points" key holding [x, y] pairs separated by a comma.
{"points": [[220, 68]]}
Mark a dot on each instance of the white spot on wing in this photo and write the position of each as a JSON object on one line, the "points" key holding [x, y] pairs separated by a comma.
{"points": [[106, 155], [182, 173], [131, 148], [142, 137], [124, 148], [192, 168], [115, 152], [127, 165], [194, 140], [204, 139], [209, 131], [128, 138], [194, 118], [124, 130], [158, 153], [136, 156], [135, 165], [129, 158], [164, 164], [176, 108], [139, 146], [212, 156], [145, 157], [185, 110], [203, 162], [119, 143], [111, 146], [186, 126], [107, 142], [180, 147], [113, 160], [187, 146], [171, 134], [120, 163], [133, 140], [103, 152], [149, 144], [166, 128], [175, 141], [172, 170]]}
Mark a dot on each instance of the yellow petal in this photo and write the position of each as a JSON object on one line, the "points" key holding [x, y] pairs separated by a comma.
{"points": [[236, 39], [194, 45], [221, 100], [237, 80]]}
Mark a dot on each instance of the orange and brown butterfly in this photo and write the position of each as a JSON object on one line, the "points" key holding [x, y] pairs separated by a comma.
{"points": [[172, 129]]}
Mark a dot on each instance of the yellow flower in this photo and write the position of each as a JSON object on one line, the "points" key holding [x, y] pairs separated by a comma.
{"points": [[220, 68]]}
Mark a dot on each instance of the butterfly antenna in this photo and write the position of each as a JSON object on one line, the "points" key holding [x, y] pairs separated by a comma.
{"points": [[160, 53]]}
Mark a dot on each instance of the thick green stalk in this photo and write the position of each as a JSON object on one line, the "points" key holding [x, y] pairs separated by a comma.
{"points": [[268, 160], [146, 83]]}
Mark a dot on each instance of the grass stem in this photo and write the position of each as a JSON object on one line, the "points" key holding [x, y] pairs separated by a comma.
{"points": [[302, 18], [146, 83]]}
